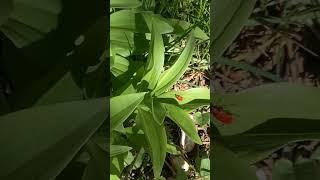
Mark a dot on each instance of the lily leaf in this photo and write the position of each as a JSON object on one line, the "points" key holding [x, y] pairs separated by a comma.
{"points": [[123, 106], [156, 138], [183, 120]]}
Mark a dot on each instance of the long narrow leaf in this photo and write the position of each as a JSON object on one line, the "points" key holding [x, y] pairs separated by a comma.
{"points": [[188, 95], [122, 107], [155, 59], [157, 139], [170, 76]]}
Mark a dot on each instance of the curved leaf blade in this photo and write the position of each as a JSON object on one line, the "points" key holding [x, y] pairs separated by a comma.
{"points": [[122, 106], [183, 120], [171, 75]]}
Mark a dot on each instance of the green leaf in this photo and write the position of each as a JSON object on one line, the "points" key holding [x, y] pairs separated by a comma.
{"points": [[116, 150], [41, 132], [193, 94], [205, 168], [124, 3], [158, 111], [122, 107], [225, 161], [172, 149], [117, 165], [271, 136], [155, 59], [5, 10], [171, 75], [254, 106], [230, 16], [122, 42], [128, 20], [183, 120], [161, 24], [156, 138]]}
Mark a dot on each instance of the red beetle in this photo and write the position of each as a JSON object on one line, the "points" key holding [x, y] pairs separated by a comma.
{"points": [[179, 98], [222, 115]]}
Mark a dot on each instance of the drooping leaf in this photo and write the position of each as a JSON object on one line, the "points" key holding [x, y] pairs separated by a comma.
{"points": [[41, 132], [171, 75], [229, 18], [183, 120], [160, 23], [122, 107], [156, 138]]}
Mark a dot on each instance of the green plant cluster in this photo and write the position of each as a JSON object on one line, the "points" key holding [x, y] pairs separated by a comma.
{"points": [[141, 96]]}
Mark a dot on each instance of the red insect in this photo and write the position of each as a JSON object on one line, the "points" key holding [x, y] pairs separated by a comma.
{"points": [[222, 115], [180, 98]]}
